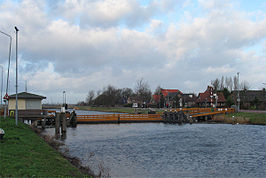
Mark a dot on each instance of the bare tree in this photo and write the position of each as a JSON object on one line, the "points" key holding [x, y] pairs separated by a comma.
{"points": [[231, 84], [228, 83], [90, 97], [222, 83], [142, 91], [126, 93], [236, 82], [216, 84], [244, 85]]}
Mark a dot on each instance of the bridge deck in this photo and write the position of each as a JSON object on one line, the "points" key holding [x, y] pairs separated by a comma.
{"points": [[116, 118]]}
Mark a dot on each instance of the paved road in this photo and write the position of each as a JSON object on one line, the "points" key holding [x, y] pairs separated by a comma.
{"points": [[253, 111]]}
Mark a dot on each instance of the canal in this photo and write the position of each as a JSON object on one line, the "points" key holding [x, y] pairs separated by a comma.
{"points": [[166, 150]]}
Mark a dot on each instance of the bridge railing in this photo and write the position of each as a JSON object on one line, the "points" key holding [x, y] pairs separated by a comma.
{"points": [[120, 117]]}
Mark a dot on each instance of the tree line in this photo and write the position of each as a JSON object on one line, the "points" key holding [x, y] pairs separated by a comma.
{"points": [[227, 85], [230, 83], [111, 96]]}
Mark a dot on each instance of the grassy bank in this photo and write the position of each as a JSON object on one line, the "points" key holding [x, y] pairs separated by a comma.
{"points": [[24, 154], [242, 118], [114, 109]]}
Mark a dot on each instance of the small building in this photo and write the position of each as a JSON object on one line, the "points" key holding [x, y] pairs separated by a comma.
{"points": [[26, 101], [211, 98]]}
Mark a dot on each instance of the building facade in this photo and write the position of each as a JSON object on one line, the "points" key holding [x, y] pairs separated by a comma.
{"points": [[211, 98], [26, 101]]}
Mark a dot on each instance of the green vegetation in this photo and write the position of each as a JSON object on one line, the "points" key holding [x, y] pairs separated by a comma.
{"points": [[242, 118], [24, 154], [254, 118]]}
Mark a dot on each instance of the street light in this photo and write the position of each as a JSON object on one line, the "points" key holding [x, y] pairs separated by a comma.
{"points": [[16, 75], [7, 79], [2, 83]]}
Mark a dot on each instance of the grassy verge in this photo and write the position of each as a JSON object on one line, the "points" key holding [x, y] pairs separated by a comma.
{"points": [[243, 118], [114, 109], [24, 154]]}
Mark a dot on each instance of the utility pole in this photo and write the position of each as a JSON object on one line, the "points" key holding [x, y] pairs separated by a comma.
{"points": [[7, 78], [16, 75], [238, 97], [2, 84]]}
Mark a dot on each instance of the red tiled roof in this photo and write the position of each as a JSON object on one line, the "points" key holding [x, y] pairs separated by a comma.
{"points": [[166, 91], [206, 96]]}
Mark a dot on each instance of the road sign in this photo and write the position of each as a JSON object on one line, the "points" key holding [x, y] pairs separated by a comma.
{"points": [[6, 97]]}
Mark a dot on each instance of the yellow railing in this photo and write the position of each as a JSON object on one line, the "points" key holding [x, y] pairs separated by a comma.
{"points": [[119, 117]]}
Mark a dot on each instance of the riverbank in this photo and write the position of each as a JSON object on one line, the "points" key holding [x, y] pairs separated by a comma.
{"points": [[24, 154], [128, 110], [233, 118], [241, 118]]}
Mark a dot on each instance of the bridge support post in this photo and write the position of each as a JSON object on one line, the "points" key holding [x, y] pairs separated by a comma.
{"points": [[64, 123], [57, 124]]}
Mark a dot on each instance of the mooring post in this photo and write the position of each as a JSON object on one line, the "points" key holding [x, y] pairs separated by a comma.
{"points": [[64, 123], [118, 119], [73, 119], [57, 124], [43, 123]]}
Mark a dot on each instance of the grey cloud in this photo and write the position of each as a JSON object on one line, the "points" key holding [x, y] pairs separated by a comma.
{"points": [[185, 56]]}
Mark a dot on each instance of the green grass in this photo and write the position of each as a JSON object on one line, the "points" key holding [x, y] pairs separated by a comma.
{"points": [[24, 154], [114, 109], [254, 118]]}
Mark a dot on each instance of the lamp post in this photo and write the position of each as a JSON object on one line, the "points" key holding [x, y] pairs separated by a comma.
{"points": [[64, 97], [2, 84], [238, 97], [16, 75], [7, 79]]}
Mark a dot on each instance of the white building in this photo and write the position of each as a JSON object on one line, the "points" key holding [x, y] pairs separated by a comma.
{"points": [[26, 101]]}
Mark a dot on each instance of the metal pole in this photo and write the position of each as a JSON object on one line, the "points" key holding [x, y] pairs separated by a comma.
{"points": [[7, 79], [2, 84], [64, 97], [16, 75], [238, 88]]}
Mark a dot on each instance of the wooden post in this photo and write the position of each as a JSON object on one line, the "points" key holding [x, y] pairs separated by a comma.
{"points": [[118, 119], [43, 123], [57, 124], [64, 123], [73, 119]]}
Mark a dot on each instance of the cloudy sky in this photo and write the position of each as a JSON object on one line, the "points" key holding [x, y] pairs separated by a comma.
{"points": [[82, 45]]}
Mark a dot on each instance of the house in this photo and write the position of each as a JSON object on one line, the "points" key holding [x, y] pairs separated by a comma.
{"points": [[168, 98], [251, 99], [26, 101], [189, 100], [211, 98]]}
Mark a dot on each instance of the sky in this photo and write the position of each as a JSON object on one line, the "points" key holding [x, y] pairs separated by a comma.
{"points": [[82, 45]]}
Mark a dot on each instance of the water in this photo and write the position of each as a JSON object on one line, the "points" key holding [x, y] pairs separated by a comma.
{"points": [[164, 150]]}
